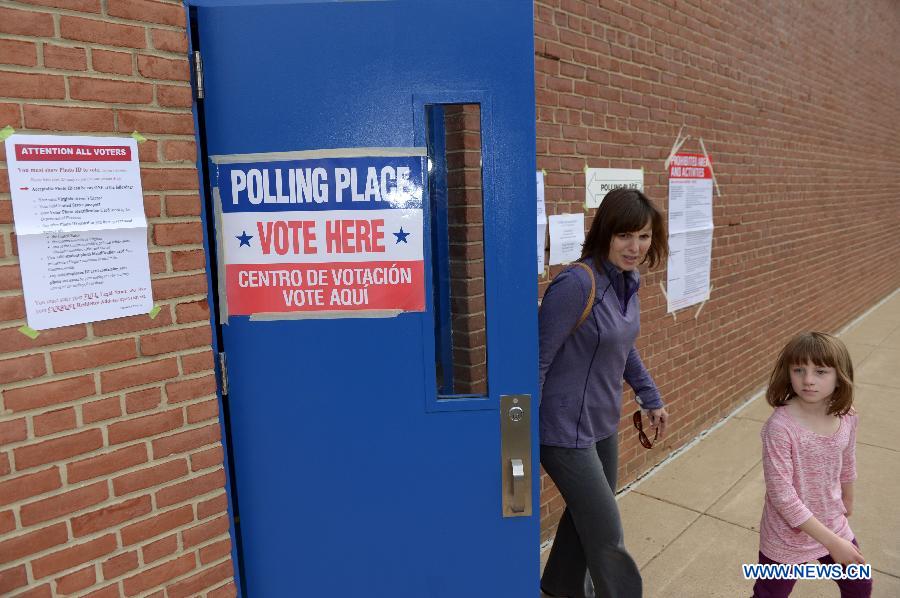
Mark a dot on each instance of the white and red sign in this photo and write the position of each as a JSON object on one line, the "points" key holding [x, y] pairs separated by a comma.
{"points": [[81, 229], [322, 234]]}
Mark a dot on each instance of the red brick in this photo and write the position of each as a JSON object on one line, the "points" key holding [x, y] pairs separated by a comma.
{"points": [[178, 233], [149, 477], [169, 41], [145, 426], [205, 531], [12, 578], [212, 457], [63, 504], [107, 61], [110, 591], [159, 575], [179, 286], [101, 410], [10, 278], [107, 463], [32, 484], [227, 591], [7, 523], [212, 506], [185, 441], [21, 368], [13, 430], [18, 52], [181, 205], [56, 118], [32, 85], [152, 206], [172, 96], [195, 584], [64, 57], [12, 308], [148, 151], [57, 449], [79, 5], [12, 340], [26, 22], [160, 548], [196, 362], [77, 580], [143, 400], [54, 421], [194, 259], [193, 311], [154, 67], [73, 556], [132, 324], [175, 340], [33, 542], [93, 356], [119, 564], [203, 411], [157, 525], [193, 388], [215, 551], [102, 32], [49, 393], [42, 591], [105, 90], [111, 516], [166, 123], [9, 114], [148, 11], [136, 375], [176, 493]]}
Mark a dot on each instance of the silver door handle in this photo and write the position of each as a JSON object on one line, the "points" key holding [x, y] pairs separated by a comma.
{"points": [[517, 504]]}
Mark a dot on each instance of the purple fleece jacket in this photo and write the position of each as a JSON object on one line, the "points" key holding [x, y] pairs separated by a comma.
{"points": [[581, 372]]}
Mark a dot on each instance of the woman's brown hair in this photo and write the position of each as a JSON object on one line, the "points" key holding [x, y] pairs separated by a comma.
{"points": [[820, 349], [626, 211]]}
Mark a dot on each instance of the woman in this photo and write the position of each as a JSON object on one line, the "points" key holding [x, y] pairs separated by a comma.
{"points": [[582, 365]]}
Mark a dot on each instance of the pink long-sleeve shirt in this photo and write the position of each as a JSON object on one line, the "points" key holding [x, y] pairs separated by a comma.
{"points": [[804, 472]]}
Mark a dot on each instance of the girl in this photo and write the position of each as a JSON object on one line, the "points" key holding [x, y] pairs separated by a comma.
{"points": [[589, 320], [809, 462]]}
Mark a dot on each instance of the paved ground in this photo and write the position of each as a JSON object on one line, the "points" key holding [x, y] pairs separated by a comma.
{"points": [[693, 522]]}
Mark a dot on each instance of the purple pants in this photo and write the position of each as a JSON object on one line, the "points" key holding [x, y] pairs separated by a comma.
{"points": [[781, 588]]}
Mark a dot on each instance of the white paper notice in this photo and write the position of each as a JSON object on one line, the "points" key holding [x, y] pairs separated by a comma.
{"points": [[566, 238], [541, 245], [79, 217], [541, 207], [600, 181], [690, 230]]}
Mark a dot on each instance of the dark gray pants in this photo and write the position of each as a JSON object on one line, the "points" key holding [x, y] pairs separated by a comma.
{"points": [[589, 537]]}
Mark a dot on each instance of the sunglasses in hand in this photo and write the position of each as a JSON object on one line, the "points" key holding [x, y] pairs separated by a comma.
{"points": [[642, 436]]}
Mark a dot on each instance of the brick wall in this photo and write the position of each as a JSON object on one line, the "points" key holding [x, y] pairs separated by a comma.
{"points": [[797, 104], [111, 467]]}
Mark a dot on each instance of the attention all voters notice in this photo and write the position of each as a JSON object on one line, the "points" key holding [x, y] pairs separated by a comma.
{"points": [[321, 234], [80, 226]]}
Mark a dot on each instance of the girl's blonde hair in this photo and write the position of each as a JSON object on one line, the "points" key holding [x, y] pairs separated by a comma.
{"points": [[820, 349]]}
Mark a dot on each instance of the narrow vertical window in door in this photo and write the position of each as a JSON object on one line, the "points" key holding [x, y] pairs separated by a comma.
{"points": [[458, 250]]}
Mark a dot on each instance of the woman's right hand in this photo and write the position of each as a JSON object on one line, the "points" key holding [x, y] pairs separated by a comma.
{"points": [[845, 552]]}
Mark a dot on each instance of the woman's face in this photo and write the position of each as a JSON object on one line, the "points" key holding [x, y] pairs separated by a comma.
{"points": [[628, 250]]}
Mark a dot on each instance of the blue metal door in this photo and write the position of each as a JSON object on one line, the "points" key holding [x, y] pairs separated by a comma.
{"points": [[352, 473]]}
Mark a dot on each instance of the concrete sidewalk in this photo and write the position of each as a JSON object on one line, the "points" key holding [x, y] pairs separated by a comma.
{"points": [[693, 521]]}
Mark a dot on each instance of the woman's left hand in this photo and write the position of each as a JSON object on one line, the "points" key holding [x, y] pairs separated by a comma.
{"points": [[658, 419]]}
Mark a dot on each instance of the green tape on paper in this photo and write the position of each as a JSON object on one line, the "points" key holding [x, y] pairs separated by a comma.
{"points": [[29, 331], [6, 132], [138, 137], [154, 312]]}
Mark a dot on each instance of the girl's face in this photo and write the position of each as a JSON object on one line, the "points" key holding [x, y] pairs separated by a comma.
{"points": [[628, 250], [813, 383]]}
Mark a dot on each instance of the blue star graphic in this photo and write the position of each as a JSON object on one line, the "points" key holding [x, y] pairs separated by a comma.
{"points": [[244, 239], [401, 236]]}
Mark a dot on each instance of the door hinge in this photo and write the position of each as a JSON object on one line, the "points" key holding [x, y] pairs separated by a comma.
{"points": [[198, 74], [223, 368]]}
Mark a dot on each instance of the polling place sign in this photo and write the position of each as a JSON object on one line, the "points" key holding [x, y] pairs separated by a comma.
{"points": [[328, 231]]}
